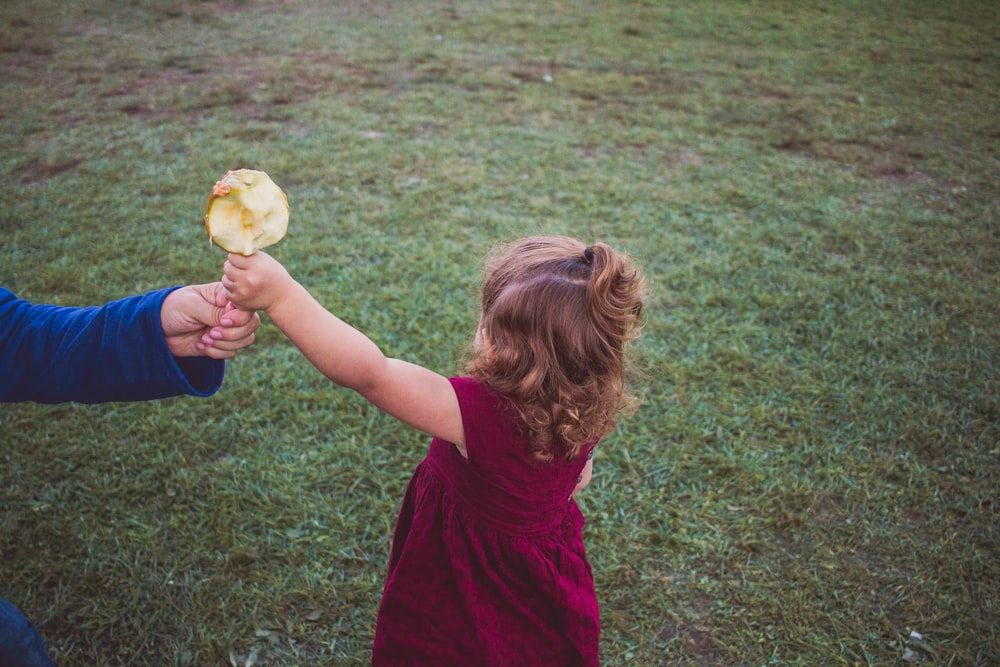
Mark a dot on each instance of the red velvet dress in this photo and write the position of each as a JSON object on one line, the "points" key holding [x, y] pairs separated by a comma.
{"points": [[487, 565]]}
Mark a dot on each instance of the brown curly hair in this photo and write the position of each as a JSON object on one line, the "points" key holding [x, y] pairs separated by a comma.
{"points": [[558, 316]]}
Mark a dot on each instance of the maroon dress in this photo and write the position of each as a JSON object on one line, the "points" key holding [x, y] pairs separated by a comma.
{"points": [[487, 565]]}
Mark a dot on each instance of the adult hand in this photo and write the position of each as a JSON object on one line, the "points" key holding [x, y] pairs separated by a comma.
{"points": [[199, 321]]}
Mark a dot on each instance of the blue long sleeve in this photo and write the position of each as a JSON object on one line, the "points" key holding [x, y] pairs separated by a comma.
{"points": [[114, 352]]}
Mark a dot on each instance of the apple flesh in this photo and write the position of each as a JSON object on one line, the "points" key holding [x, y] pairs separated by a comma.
{"points": [[247, 211]]}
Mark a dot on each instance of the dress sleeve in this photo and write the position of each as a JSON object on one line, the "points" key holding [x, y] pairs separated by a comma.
{"points": [[466, 390], [114, 352], [486, 418]]}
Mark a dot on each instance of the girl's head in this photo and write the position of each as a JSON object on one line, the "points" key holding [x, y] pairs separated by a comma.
{"points": [[556, 318]]}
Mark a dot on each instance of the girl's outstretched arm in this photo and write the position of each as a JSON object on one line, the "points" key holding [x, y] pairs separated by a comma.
{"points": [[411, 393]]}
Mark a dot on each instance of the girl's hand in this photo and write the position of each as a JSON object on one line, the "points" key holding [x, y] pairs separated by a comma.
{"points": [[256, 282], [588, 472]]}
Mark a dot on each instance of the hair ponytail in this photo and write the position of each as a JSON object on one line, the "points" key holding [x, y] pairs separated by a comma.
{"points": [[614, 295]]}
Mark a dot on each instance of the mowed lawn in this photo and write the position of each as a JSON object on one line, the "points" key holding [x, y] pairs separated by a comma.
{"points": [[811, 188]]}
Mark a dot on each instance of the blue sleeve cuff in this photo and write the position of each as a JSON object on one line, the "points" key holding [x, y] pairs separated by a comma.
{"points": [[195, 376]]}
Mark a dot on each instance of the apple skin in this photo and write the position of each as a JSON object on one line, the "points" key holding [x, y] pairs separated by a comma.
{"points": [[246, 212]]}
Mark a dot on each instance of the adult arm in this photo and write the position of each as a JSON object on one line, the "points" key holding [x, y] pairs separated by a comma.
{"points": [[114, 352]]}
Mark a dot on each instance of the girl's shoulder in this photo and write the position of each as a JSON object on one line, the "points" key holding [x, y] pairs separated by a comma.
{"points": [[487, 417], [478, 401]]}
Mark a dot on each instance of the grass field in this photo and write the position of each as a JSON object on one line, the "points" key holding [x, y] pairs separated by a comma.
{"points": [[811, 188]]}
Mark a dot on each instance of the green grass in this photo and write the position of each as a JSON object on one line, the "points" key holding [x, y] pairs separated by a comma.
{"points": [[811, 188]]}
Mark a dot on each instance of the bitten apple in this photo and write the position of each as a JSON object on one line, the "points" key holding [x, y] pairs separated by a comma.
{"points": [[247, 211]]}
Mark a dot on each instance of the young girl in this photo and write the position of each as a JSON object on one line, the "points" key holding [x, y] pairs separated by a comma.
{"points": [[487, 564]]}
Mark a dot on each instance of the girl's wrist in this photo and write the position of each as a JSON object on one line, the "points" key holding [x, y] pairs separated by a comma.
{"points": [[286, 294]]}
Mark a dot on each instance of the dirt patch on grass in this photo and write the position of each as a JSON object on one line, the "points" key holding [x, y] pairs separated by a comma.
{"points": [[41, 169], [75, 58], [694, 637], [252, 84]]}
